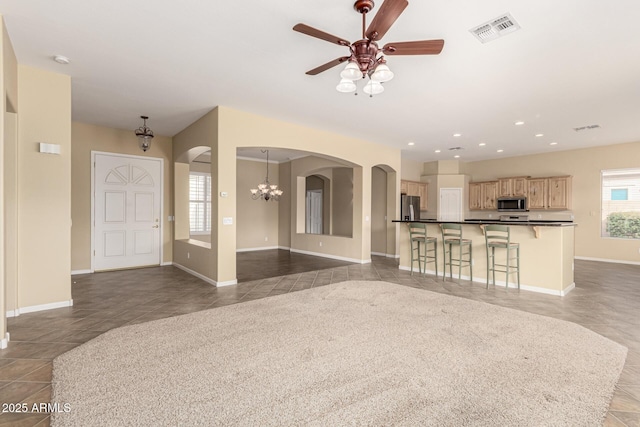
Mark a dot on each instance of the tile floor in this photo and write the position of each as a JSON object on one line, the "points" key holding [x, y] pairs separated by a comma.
{"points": [[606, 300]]}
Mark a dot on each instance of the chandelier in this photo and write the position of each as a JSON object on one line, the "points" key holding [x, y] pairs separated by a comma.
{"points": [[145, 135], [266, 190]]}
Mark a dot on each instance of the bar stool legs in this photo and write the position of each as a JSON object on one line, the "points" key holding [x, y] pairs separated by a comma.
{"points": [[499, 236], [452, 236], [420, 242]]}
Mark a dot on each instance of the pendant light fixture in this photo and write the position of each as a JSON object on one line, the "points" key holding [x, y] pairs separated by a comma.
{"points": [[266, 191], [144, 134]]}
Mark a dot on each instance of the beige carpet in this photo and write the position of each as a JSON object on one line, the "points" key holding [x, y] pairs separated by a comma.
{"points": [[352, 353]]}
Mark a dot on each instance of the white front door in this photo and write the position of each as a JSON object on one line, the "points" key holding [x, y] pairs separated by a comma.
{"points": [[127, 201]]}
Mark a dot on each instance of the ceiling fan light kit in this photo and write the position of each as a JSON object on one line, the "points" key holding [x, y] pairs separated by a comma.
{"points": [[346, 86], [365, 57]]}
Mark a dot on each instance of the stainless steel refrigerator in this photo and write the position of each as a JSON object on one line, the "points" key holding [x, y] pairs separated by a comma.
{"points": [[409, 207]]}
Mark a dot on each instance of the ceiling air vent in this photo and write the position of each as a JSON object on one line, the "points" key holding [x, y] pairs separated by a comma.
{"points": [[586, 128], [456, 148], [495, 28]]}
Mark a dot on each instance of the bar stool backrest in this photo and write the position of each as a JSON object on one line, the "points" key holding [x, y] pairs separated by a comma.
{"points": [[417, 230], [451, 232], [497, 234]]}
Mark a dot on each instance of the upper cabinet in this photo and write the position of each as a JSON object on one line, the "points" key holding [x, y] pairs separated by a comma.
{"points": [[475, 196], [559, 192], [541, 193], [490, 195], [512, 187], [537, 189], [414, 188], [483, 195]]}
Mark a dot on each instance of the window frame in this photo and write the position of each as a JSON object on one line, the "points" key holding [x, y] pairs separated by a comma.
{"points": [[607, 173], [206, 214]]}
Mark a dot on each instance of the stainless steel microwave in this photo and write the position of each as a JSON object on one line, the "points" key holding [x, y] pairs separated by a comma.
{"points": [[512, 204]]}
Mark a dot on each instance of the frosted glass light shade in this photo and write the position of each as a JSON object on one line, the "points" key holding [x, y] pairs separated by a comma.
{"points": [[346, 86], [373, 88], [382, 74], [351, 71]]}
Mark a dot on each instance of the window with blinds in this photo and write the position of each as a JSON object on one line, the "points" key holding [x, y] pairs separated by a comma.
{"points": [[199, 203]]}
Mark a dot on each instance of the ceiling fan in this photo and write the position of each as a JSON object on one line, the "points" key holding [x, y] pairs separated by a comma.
{"points": [[365, 57]]}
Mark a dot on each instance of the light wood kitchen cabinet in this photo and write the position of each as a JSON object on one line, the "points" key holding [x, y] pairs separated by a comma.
{"points": [[475, 196], [422, 192], [512, 187], [415, 188], [483, 195], [559, 192], [537, 193], [490, 195]]}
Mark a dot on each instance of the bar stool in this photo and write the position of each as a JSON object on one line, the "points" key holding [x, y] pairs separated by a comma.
{"points": [[420, 244], [499, 236], [452, 236]]}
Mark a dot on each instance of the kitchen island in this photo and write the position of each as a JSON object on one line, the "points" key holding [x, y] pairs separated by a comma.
{"points": [[546, 253]]}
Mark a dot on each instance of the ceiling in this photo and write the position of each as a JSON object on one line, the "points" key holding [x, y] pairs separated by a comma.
{"points": [[574, 63]]}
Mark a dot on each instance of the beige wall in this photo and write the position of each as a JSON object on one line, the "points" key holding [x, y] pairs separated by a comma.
{"points": [[8, 182], [200, 136], [284, 208], [257, 220], [10, 177], [86, 138], [411, 170], [379, 211], [585, 166], [44, 188], [342, 195]]}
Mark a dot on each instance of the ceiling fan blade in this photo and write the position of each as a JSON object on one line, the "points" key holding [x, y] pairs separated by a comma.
{"points": [[422, 47], [313, 32], [326, 66], [384, 19]]}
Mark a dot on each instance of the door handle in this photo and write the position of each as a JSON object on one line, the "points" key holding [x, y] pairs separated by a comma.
{"points": [[155, 226]]}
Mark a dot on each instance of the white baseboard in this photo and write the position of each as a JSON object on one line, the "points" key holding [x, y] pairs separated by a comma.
{"points": [[5, 341], [262, 248], [74, 272], [614, 261], [205, 278], [340, 258], [503, 284], [41, 307], [285, 248], [385, 255], [164, 264]]}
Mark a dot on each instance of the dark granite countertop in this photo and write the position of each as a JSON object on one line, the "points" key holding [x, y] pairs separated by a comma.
{"points": [[537, 223]]}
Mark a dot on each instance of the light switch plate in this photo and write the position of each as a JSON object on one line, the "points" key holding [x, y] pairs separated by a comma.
{"points": [[227, 220]]}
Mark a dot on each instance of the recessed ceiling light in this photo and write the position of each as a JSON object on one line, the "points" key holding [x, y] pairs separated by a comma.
{"points": [[500, 151], [411, 143], [437, 151], [519, 123], [456, 156], [61, 59], [553, 143], [457, 134], [482, 144], [538, 135]]}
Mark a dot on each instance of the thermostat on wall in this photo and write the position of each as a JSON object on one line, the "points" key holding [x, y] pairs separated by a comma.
{"points": [[223, 194]]}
